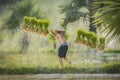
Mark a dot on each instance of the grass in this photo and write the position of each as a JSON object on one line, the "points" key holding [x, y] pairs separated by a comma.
{"points": [[43, 62], [47, 62], [112, 51]]}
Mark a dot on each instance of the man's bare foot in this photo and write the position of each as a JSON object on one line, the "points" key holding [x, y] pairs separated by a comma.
{"points": [[61, 67], [70, 63]]}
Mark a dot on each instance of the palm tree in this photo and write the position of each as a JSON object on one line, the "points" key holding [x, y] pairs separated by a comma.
{"points": [[108, 17], [73, 13]]}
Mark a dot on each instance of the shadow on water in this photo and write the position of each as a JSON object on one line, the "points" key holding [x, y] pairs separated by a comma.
{"points": [[62, 77]]}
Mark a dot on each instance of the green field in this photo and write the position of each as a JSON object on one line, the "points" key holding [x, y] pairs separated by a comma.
{"points": [[47, 62], [31, 52]]}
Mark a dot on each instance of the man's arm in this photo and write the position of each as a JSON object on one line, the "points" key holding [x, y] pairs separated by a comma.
{"points": [[56, 36]]}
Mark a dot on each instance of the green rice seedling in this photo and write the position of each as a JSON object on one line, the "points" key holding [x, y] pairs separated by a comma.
{"points": [[101, 44], [85, 37], [79, 37], [83, 34], [94, 41], [43, 27], [46, 23], [92, 37], [35, 25], [88, 37], [29, 23], [33, 21], [40, 24], [26, 21]]}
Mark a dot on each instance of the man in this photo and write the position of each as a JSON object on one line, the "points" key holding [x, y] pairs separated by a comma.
{"points": [[63, 48]]}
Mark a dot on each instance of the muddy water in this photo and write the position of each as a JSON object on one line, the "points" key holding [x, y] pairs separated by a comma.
{"points": [[62, 77]]}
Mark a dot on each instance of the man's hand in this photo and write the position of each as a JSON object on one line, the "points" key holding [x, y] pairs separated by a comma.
{"points": [[53, 33]]}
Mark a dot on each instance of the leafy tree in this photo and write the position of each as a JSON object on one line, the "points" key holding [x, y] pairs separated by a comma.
{"points": [[8, 2], [21, 9]]}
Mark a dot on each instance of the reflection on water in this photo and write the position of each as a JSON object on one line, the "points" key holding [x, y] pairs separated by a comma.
{"points": [[62, 77]]}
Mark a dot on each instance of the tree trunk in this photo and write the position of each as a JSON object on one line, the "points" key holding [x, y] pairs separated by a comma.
{"points": [[92, 28], [24, 44]]}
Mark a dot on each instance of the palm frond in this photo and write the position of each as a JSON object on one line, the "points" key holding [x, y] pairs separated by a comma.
{"points": [[108, 14]]}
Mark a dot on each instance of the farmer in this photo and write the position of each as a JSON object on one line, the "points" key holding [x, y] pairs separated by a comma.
{"points": [[63, 48]]}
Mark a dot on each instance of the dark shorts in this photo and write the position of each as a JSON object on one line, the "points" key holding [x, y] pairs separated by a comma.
{"points": [[62, 50]]}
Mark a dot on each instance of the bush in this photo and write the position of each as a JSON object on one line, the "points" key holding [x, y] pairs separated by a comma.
{"points": [[112, 68]]}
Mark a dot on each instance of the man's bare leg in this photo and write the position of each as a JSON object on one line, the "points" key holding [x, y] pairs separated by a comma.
{"points": [[69, 62], [61, 62]]}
